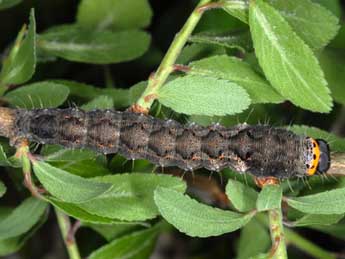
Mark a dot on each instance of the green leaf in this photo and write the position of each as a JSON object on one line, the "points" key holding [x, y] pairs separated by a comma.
{"points": [[38, 95], [337, 230], [100, 102], [312, 22], [253, 233], [239, 40], [83, 91], [237, 8], [201, 95], [54, 153], [288, 63], [241, 196], [197, 51], [76, 212], [13, 244], [98, 47], [121, 97], [83, 168], [131, 198], [133, 246], [328, 202], [194, 218], [68, 187], [269, 198], [21, 62], [2, 189], [337, 144], [114, 14], [334, 6], [4, 4], [218, 21], [239, 72], [316, 219], [3, 158], [22, 218], [333, 64], [82, 162], [110, 232], [339, 40]]}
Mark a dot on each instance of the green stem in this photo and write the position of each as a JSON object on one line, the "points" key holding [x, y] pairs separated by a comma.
{"points": [[307, 246], [166, 66], [277, 234], [293, 238], [109, 82], [65, 226]]}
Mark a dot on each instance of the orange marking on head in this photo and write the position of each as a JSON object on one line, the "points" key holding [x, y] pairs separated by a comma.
{"points": [[315, 161]]}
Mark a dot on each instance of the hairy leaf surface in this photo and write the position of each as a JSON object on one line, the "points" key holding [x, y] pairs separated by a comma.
{"points": [[38, 95], [114, 14], [22, 218], [239, 72], [68, 187], [194, 218], [288, 63], [74, 43], [20, 65], [131, 198], [201, 95]]}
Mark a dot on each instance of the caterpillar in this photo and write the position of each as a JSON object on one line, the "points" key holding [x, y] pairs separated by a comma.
{"points": [[261, 150]]}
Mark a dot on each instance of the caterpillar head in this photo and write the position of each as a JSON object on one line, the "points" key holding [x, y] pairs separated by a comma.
{"points": [[317, 157]]}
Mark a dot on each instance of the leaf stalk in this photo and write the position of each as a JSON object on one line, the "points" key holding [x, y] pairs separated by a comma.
{"points": [[166, 67], [65, 226], [278, 249], [307, 246]]}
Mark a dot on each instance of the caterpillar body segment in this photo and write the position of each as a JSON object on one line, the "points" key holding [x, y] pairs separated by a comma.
{"points": [[261, 150]]}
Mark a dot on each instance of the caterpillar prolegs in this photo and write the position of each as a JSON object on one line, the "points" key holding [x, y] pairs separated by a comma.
{"points": [[262, 150]]}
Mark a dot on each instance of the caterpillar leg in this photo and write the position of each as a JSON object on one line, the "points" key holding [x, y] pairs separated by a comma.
{"points": [[262, 181]]}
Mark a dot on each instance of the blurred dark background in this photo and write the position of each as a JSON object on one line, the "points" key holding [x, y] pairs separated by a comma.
{"points": [[168, 17]]}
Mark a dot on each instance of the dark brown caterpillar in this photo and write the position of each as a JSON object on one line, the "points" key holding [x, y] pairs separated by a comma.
{"points": [[261, 150]]}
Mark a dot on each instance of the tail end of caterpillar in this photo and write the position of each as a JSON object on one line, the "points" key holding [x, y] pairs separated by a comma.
{"points": [[7, 119]]}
